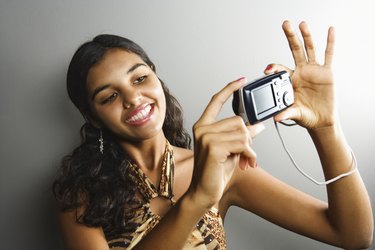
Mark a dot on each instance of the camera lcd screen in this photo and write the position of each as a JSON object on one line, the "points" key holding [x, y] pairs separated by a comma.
{"points": [[264, 98]]}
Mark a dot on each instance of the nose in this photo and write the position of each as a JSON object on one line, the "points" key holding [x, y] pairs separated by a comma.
{"points": [[131, 97]]}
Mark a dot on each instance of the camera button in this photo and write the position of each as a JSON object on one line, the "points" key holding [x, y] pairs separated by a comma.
{"points": [[288, 99]]}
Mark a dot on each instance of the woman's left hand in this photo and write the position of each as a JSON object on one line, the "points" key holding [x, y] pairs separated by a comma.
{"points": [[314, 104]]}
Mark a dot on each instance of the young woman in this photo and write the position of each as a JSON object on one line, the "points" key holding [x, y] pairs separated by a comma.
{"points": [[133, 183]]}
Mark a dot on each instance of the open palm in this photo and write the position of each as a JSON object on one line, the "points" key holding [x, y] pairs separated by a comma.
{"points": [[314, 105]]}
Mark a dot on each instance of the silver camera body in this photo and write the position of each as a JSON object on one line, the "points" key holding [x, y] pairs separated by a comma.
{"points": [[263, 98]]}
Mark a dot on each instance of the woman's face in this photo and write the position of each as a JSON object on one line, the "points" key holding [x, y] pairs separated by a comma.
{"points": [[126, 96]]}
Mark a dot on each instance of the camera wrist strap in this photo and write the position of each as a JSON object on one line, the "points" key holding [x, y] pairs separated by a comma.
{"points": [[354, 162]]}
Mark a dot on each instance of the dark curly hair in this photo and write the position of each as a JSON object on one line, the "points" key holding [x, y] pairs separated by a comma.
{"points": [[98, 182]]}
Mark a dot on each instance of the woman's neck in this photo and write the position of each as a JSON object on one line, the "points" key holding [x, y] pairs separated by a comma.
{"points": [[147, 154]]}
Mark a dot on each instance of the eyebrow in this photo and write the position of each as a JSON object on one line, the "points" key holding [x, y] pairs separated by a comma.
{"points": [[103, 87]]}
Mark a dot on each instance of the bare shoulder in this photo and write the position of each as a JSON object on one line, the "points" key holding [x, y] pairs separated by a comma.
{"points": [[183, 155], [78, 236]]}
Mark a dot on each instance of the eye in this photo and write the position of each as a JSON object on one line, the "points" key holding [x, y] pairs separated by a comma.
{"points": [[109, 99], [140, 79]]}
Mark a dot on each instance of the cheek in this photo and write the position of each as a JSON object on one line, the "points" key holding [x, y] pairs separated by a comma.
{"points": [[109, 115], [162, 101], [156, 91]]}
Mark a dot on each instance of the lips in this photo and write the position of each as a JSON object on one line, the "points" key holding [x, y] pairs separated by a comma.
{"points": [[140, 115]]}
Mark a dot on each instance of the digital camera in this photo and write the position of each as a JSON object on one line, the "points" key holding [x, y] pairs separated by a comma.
{"points": [[264, 97]]}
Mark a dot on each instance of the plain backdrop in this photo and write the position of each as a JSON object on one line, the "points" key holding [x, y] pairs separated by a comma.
{"points": [[197, 46]]}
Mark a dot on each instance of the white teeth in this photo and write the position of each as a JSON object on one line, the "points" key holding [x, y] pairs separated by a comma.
{"points": [[141, 114], [148, 108]]}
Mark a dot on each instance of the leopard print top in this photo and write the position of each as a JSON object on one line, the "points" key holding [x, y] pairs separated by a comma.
{"points": [[208, 233]]}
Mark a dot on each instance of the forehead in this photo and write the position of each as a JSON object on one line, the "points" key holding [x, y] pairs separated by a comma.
{"points": [[115, 62]]}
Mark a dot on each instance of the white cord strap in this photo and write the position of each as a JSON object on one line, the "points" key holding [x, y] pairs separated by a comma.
{"points": [[354, 163]]}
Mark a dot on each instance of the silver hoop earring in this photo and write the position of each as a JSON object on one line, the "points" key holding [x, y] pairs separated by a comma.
{"points": [[101, 142]]}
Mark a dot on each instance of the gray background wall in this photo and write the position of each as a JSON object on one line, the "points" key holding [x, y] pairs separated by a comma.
{"points": [[198, 46]]}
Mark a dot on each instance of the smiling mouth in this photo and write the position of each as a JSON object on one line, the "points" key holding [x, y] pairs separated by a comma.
{"points": [[141, 115]]}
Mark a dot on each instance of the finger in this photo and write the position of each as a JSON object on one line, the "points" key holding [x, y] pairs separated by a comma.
{"points": [[224, 125], [236, 147], [256, 129], [308, 42], [218, 100], [231, 124], [275, 68], [235, 135], [220, 148], [212, 140], [243, 163], [294, 44], [330, 47]]}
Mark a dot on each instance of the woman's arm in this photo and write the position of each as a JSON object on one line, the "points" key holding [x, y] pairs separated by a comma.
{"points": [[217, 149], [346, 220], [175, 227], [349, 212]]}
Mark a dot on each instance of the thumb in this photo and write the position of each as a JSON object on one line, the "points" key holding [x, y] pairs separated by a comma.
{"points": [[290, 113], [275, 68]]}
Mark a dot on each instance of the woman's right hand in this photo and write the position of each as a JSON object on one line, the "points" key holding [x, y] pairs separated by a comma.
{"points": [[219, 147]]}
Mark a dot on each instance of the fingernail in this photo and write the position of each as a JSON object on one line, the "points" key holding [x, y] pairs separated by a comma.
{"points": [[269, 67], [241, 79]]}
